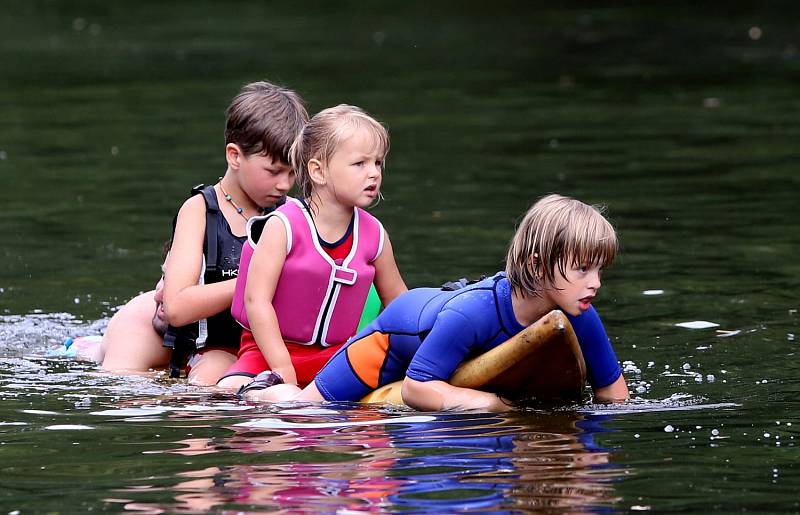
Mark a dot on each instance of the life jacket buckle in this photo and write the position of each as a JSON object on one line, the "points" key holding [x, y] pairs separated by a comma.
{"points": [[344, 275]]}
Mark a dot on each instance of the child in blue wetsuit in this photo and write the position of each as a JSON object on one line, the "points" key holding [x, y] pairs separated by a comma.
{"points": [[554, 262]]}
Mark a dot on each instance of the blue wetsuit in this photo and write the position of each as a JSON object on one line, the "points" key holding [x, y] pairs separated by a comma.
{"points": [[427, 333]]}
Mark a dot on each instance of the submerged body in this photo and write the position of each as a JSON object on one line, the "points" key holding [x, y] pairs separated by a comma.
{"points": [[427, 333]]}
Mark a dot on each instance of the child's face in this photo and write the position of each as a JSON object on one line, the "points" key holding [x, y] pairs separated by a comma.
{"points": [[264, 179], [574, 293], [355, 170], [159, 321]]}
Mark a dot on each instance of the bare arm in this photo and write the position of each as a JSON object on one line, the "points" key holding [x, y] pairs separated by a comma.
{"points": [[615, 392], [388, 281], [184, 300], [438, 396], [262, 279]]}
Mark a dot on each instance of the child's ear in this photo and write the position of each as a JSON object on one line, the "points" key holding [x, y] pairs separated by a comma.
{"points": [[316, 172], [232, 155]]}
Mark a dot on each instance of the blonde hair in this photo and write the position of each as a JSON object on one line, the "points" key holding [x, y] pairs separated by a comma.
{"points": [[558, 232], [321, 136]]}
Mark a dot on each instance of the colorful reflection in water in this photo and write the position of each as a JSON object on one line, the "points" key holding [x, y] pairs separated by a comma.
{"points": [[371, 460]]}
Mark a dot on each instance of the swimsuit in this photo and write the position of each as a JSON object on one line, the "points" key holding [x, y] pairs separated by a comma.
{"points": [[318, 299], [427, 333], [320, 293]]}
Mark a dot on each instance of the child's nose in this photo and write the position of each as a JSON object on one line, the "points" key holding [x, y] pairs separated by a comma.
{"points": [[285, 183], [159, 293], [596, 282]]}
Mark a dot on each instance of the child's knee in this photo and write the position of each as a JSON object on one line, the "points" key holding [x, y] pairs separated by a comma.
{"points": [[209, 367]]}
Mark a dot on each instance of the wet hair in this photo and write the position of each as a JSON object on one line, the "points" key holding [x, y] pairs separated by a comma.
{"points": [[556, 233], [265, 119], [322, 135]]}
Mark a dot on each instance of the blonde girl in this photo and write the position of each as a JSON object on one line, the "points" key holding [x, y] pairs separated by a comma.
{"points": [[314, 259]]}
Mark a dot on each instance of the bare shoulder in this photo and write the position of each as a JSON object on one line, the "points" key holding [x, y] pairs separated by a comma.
{"points": [[187, 239], [275, 234], [272, 222], [193, 206], [137, 312], [191, 216]]}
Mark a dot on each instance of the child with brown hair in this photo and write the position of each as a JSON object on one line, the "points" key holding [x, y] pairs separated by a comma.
{"points": [[262, 122]]}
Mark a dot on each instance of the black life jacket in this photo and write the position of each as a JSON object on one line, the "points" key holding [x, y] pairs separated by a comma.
{"points": [[221, 253]]}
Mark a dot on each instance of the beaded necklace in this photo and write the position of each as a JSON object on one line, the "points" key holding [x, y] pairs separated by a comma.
{"points": [[229, 199]]}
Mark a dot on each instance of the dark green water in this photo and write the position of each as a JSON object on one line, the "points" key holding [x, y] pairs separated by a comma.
{"points": [[684, 121]]}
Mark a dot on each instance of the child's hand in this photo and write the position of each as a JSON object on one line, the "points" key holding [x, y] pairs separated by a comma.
{"points": [[615, 392], [439, 395]]}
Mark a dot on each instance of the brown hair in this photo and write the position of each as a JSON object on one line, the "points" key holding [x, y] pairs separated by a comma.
{"points": [[555, 233], [322, 135], [265, 119]]}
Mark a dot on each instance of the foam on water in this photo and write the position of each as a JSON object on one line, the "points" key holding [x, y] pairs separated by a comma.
{"points": [[697, 324], [309, 411], [677, 402], [270, 423], [131, 412], [39, 333], [68, 427], [149, 411]]}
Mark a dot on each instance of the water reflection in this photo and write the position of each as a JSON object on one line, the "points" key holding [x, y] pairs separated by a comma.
{"points": [[368, 460]]}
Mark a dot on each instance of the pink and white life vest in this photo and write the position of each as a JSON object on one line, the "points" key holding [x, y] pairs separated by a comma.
{"points": [[316, 300]]}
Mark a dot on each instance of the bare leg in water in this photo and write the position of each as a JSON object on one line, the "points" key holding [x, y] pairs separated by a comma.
{"points": [[133, 341]]}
